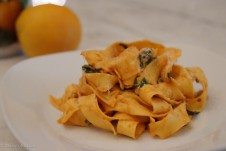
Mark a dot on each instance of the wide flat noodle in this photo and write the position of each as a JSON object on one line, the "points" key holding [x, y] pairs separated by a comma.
{"points": [[90, 109], [72, 91], [108, 56], [93, 56], [114, 49], [102, 81], [108, 98], [126, 65], [158, 109], [128, 83], [131, 106], [169, 125], [129, 125], [130, 128], [170, 90], [160, 106], [152, 71], [156, 47], [84, 88], [148, 92], [77, 118], [198, 75], [197, 103], [172, 54], [57, 103], [125, 117], [103, 59], [71, 112], [183, 80], [105, 65]]}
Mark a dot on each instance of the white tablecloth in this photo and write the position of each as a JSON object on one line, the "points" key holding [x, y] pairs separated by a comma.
{"points": [[199, 22]]}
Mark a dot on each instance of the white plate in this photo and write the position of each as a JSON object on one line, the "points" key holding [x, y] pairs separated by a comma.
{"points": [[31, 118]]}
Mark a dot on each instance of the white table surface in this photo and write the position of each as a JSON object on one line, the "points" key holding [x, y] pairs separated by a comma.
{"points": [[200, 22]]}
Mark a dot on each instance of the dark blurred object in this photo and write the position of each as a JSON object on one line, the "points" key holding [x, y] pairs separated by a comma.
{"points": [[7, 37]]}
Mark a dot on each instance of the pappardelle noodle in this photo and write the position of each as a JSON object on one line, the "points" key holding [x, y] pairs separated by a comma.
{"points": [[130, 87]]}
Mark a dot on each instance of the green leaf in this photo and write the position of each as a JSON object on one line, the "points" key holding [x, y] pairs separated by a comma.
{"points": [[89, 69], [123, 45], [145, 57], [140, 82], [192, 113]]}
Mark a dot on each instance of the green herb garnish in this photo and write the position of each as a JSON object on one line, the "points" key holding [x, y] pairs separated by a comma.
{"points": [[123, 45], [169, 74], [89, 69], [192, 113], [88, 123], [145, 57], [160, 80], [140, 82]]}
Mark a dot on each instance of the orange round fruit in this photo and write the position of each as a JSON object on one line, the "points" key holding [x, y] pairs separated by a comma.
{"points": [[9, 10], [48, 29]]}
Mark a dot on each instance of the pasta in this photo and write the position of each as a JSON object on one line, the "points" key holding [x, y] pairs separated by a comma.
{"points": [[130, 87]]}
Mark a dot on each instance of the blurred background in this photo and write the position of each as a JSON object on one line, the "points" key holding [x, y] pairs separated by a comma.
{"points": [[27, 31], [197, 22]]}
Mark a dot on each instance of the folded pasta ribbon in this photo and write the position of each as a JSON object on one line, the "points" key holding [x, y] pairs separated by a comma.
{"points": [[128, 125], [175, 120], [198, 103]]}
